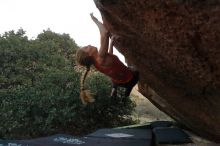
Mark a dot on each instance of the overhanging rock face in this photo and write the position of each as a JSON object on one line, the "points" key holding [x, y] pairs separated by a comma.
{"points": [[175, 45]]}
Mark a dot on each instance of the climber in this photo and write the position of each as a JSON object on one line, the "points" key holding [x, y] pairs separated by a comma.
{"points": [[107, 63]]}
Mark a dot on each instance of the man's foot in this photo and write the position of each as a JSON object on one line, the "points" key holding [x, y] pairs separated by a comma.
{"points": [[114, 92], [127, 92]]}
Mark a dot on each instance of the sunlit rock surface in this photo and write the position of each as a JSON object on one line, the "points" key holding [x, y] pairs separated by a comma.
{"points": [[175, 44]]}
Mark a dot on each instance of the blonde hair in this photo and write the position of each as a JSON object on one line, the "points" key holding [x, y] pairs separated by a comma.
{"points": [[82, 58]]}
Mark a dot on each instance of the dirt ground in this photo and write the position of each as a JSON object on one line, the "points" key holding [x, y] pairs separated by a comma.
{"points": [[146, 112]]}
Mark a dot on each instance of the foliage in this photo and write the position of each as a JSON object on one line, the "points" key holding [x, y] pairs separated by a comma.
{"points": [[39, 89]]}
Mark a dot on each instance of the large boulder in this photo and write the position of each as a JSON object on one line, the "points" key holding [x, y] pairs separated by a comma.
{"points": [[175, 45]]}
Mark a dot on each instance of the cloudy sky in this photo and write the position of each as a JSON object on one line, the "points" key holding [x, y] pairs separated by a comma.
{"points": [[61, 16]]}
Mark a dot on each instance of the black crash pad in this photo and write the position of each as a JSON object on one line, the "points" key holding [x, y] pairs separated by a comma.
{"points": [[138, 126], [156, 124], [90, 140], [169, 135]]}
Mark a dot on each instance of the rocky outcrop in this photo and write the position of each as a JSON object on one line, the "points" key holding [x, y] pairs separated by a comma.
{"points": [[175, 45]]}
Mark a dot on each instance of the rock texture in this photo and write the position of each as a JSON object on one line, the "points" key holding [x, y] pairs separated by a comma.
{"points": [[175, 44]]}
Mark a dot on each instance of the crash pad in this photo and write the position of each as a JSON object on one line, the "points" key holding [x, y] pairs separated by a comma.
{"points": [[170, 135]]}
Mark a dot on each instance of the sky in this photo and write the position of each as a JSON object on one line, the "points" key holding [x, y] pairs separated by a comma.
{"points": [[61, 16]]}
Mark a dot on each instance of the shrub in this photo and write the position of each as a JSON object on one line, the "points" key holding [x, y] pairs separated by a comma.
{"points": [[32, 112], [39, 90]]}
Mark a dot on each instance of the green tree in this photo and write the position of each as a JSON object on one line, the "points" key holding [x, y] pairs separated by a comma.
{"points": [[39, 89]]}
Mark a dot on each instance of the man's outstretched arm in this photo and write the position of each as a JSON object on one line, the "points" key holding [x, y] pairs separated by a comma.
{"points": [[104, 37]]}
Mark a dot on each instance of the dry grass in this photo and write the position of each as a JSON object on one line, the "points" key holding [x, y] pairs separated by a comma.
{"points": [[145, 111]]}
